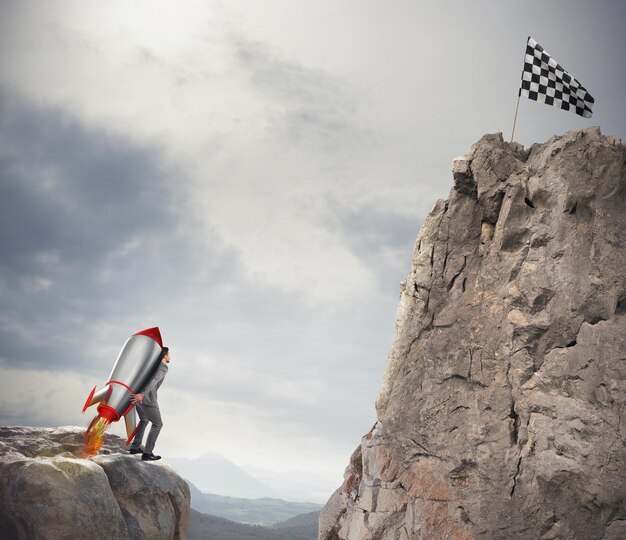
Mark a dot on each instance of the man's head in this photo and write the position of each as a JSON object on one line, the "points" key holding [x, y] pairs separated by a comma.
{"points": [[165, 355]]}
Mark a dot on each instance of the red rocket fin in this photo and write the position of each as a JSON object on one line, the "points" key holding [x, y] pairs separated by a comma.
{"points": [[130, 418], [95, 397], [152, 333]]}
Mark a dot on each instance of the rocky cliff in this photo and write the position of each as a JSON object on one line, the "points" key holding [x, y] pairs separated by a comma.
{"points": [[47, 491], [502, 410]]}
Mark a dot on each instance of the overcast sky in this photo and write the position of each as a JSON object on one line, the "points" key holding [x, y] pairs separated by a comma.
{"points": [[250, 177]]}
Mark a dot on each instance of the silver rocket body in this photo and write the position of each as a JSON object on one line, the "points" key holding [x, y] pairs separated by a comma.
{"points": [[133, 369]]}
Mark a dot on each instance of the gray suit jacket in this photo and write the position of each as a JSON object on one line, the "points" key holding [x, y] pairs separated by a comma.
{"points": [[150, 390]]}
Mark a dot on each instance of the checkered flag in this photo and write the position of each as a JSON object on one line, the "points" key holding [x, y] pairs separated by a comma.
{"points": [[546, 81]]}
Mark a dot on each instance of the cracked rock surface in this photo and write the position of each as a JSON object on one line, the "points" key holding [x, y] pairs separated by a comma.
{"points": [[47, 491], [502, 411]]}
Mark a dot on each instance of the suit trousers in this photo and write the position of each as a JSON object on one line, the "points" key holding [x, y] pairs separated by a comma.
{"points": [[147, 413]]}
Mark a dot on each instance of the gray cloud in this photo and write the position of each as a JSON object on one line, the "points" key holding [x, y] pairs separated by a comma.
{"points": [[103, 251], [308, 106], [77, 207], [380, 237]]}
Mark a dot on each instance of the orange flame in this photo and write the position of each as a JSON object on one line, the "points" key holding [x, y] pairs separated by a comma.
{"points": [[95, 437]]}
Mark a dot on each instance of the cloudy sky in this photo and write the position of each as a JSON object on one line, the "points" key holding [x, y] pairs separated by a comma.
{"points": [[250, 177]]}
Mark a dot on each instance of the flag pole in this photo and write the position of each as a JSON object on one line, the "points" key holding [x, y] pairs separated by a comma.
{"points": [[519, 94], [515, 117]]}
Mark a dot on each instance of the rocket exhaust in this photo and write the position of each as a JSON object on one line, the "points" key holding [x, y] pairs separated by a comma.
{"points": [[94, 436]]}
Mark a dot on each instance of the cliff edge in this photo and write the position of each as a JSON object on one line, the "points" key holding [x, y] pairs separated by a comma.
{"points": [[47, 491], [502, 409]]}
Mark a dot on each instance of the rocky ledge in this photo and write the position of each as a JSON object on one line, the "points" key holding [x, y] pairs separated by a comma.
{"points": [[502, 412], [47, 491]]}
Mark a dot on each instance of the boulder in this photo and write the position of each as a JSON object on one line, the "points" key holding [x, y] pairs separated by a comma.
{"points": [[48, 491]]}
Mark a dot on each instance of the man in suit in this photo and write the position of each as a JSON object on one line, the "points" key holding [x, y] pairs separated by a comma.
{"points": [[147, 406]]}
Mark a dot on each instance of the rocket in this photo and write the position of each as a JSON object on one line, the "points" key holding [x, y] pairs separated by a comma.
{"points": [[135, 365]]}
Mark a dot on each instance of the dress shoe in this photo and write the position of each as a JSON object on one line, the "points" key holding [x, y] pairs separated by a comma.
{"points": [[136, 451], [149, 457]]}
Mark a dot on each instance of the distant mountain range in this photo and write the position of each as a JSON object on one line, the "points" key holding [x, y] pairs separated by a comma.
{"points": [[229, 503], [296, 485], [203, 527], [262, 511], [213, 473]]}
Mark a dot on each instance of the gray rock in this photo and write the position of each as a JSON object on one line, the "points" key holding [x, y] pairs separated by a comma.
{"points": [[502, 410], [47, 491]]}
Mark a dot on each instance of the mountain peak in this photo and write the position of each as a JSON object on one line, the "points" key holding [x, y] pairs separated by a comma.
{"points": [[501, 407]]}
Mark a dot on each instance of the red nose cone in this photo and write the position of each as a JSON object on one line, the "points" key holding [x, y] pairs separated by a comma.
{"points": [[152, 333]]}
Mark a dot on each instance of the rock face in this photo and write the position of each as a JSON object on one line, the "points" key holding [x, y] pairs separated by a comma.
{"points": [[48, 492], [502, 410]]}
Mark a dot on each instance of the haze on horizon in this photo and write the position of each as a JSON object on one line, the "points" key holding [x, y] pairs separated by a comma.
{"points": [[251, 178]]}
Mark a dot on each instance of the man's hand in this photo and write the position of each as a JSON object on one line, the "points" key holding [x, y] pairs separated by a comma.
{"points": [[136, 398]]}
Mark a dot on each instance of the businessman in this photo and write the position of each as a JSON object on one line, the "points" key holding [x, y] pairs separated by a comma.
{"points": [[147, 406]]}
